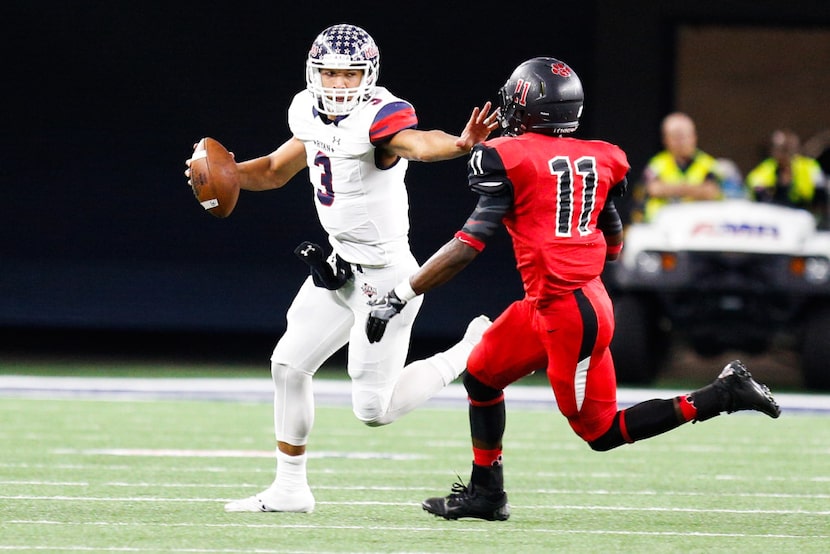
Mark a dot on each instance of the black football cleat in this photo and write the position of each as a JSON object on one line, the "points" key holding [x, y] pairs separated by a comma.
{"points": [[464, 501], [744, 392]]}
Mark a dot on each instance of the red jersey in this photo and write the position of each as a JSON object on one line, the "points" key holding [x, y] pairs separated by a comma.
{"points": [[559, 187]]}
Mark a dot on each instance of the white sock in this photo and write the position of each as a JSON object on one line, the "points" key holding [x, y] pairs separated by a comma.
{"points": [[291, 472]]}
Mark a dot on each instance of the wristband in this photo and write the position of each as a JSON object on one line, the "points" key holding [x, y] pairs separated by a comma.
{"points": [[404, 291], [616, 249]]}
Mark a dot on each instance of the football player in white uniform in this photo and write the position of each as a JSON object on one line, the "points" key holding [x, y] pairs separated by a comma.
{"points": [[356, 139]]}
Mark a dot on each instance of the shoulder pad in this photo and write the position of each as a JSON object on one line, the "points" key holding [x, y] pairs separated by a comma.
{"points": [[392, 118], [486, 173]]}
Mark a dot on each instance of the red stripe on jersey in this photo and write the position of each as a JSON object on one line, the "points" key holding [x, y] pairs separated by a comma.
{"points": [[386, 126], [470, 240]]}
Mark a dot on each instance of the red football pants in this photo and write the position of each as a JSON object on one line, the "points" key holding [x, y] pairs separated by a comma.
{"points": [[569, 338]]}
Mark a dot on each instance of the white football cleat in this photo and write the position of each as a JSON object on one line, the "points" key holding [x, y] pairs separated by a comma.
{"points": [[269, 500]]}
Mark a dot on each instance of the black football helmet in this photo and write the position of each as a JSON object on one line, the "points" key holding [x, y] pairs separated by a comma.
{"points": [[543, 95]]}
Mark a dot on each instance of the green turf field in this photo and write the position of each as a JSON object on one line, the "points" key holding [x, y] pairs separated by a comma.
{"points": [[82, 475]]}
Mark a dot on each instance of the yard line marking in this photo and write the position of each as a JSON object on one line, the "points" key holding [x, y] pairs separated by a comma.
{"points": [[236, 453], [192, 453], [439, 529], [807, 496], [136, 549], [47, 483], [387, 488], [117, 467], [381, 503], [595, 475]]}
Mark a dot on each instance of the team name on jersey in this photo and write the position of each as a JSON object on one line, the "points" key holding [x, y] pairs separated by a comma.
{"points": [[325, 146]]}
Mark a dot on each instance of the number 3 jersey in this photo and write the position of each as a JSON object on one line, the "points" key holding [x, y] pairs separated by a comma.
{"points": [[364, 209], [559, 187]]}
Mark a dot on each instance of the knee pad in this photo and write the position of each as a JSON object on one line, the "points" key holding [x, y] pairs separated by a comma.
{"points": [[368, 407], [478, 391]]}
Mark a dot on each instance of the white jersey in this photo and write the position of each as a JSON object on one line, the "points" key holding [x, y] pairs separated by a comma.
{"points": [[364, 209]]}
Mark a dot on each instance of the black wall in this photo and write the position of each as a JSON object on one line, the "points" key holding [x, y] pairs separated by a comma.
{"points": [[103, 101]]}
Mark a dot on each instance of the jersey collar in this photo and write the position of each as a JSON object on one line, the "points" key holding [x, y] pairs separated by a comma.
{"points": [[325, 119]]}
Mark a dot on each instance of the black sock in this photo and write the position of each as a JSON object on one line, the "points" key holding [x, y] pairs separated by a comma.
{"points": [[709, 402], [641, 421], [486, 412]]}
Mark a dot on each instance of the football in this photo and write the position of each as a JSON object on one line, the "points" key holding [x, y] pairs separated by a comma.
{"points": [[214, 177]]}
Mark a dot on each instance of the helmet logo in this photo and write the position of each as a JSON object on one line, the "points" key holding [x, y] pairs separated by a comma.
{"points": [[520, 94], [370, 51], [560, 69]]}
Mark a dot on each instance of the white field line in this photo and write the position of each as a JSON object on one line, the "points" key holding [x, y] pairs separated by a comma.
{"points": [[580, 492], [324, 454], [185, 453], [162, 500], [593, 475], [441, 529]]}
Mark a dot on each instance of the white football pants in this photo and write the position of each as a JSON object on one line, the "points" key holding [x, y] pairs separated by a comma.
{"points": [[319, 323]]}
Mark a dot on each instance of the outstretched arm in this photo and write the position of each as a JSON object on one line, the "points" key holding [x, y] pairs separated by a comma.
{"points": [[436, 145], [445, 264], [442, 266]]}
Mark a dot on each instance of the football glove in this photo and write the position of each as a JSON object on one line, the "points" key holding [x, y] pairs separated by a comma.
{"points": [[321, 271], [383, 309]]}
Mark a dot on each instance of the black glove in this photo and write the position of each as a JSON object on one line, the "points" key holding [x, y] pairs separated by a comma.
{"points": [[321, 271], [384, 309]]}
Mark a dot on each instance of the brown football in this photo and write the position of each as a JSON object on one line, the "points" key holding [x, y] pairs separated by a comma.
{"points": [[214, 177]]}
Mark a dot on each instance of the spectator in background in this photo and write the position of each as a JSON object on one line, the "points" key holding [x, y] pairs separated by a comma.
{"points": [[789, 178], [682, 172]]}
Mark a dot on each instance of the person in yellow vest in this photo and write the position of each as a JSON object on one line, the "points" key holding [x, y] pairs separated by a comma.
{"points": [[680, 173], [789, 178]]}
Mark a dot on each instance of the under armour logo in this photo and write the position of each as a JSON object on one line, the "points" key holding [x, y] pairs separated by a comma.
{"points": [[307, 250], [336, 140]]}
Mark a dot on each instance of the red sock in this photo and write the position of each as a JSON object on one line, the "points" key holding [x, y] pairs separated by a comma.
{"points": [[686, 407], [486, 458]]}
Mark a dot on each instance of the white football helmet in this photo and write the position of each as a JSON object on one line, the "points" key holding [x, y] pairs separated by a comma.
{"points": [[342, 47]]}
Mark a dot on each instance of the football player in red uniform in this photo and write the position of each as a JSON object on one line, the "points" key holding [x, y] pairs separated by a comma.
{"points": [[554, 194]]}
